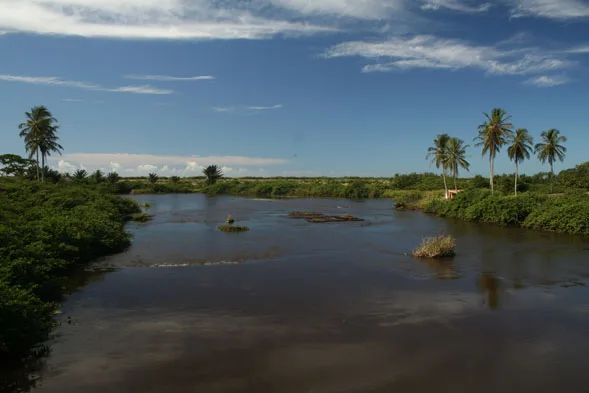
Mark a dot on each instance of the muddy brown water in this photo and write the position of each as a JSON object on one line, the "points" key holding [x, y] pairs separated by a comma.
{"points": [[296, 307]]}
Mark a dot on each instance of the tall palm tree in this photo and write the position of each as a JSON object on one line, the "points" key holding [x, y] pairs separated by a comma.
{"points": [[47, 146], [38, 131], [213, 173], [520, 150], [437, 155], [551, 148], [455, 157], [493, 134]]}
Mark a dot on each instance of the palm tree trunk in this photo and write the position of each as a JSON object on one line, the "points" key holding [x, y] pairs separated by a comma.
{"points": [[37, 152], [455, 185], [42, 167], [551, 177], [516, 176], [445, 184], [492, 165]]}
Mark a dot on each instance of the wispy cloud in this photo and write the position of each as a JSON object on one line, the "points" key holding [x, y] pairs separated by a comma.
{"points": [[229, 109], [149, 19], [168, 78], [362, 9], [264, 108], [55, 81], [426, 51], [223, 109], [73, 100], [472, 6], [547, 81], [580, 50], [553, 9]]}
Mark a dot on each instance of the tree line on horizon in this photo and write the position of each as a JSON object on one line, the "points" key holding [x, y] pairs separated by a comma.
{"points": [[39, 131], [497, 131]]}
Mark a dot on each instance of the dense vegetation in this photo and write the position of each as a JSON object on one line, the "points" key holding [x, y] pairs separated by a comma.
{"points": [[568, 213], [46, 230]]}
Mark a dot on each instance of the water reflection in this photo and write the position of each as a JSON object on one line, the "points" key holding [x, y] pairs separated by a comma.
{"points": [[492, 287], [444, 269]]}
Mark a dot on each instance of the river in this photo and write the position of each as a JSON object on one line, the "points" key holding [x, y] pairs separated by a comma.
{"points": [[296, 307]]}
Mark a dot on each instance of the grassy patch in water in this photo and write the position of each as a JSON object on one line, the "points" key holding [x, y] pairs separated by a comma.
{"points": [[141, 217], [305, 215], [441, 246], [324, 219], [232, 228], [315, 217]]}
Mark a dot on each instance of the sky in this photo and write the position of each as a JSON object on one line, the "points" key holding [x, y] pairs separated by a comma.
{"points": [[290, 87]]}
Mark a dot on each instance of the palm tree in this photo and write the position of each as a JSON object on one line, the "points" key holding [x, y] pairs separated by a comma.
{"points": [[213, 173], [153, 178], [97, 176], [437, 155], [520, 150], [551, 149], [80, 174], [49, 145], [38, 131], [493, 134], [113, 177], [455, 157]]}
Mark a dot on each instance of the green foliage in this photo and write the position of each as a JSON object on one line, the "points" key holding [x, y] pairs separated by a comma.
{"points": [[575, 178], [232, 228], [213, 173], [567, 214], [175, 179], [97, 176], [80, 174], [113, 177], [153, 178], [45, 231], [15, 165]]}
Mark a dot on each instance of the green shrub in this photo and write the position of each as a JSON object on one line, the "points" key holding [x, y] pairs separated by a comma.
{"points": [[232, 228], [565, 214]]}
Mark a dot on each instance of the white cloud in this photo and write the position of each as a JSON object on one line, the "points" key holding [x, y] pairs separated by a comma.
{"points": [[363, 9], [229, 109], [547, 81], [100, 160], [456, 5], [66, 167], [264, 108], [146, 19], [553, 9], [73, 100], [426, 51], [168, 78], [55, 81], [223, 109], [580, 50]]}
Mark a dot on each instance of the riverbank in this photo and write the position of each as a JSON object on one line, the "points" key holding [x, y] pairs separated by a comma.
{"points": [[46, 232], [564, 213]]}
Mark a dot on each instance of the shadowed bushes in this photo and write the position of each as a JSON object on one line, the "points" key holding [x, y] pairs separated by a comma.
{"points": [[47, 230]]}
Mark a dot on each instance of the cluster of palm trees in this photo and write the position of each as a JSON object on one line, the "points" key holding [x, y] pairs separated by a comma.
{"points": [[496, 132], [39, 132]]}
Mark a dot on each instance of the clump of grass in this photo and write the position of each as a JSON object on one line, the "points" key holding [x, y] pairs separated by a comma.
{"points": [[230, 220], [305, 215], [141, 217], [441, 246], [232, 228]]}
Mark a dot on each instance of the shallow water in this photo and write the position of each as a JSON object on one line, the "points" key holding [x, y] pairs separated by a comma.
{"points": [[313, 308]]}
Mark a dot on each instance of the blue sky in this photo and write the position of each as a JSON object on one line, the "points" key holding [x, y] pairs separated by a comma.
{"points": [[290, 87]]}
